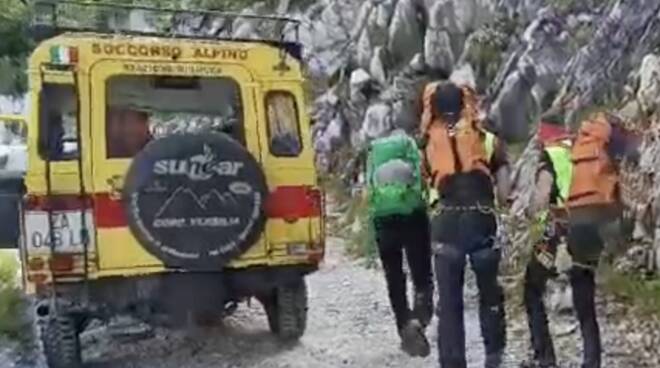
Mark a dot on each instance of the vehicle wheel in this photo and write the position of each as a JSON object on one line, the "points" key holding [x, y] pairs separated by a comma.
{"points": [[61, 342], [270, 307], [287, 311]]}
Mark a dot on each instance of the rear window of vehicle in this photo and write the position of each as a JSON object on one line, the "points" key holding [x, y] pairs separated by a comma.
{"points": [[142, 108], [283, 124], [58, 122]]}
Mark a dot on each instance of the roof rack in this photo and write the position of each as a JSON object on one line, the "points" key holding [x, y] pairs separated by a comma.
{"points": [[55, 17]]}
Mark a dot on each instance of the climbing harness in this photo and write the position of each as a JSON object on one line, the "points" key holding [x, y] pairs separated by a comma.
{"points": [[438, 208], [500, 239]]}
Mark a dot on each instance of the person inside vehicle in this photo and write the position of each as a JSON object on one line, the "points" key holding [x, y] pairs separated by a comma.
{"points": [[397, 209], [54, 144], [594, 227], [127, 132], [466, 166], [283, 124]]}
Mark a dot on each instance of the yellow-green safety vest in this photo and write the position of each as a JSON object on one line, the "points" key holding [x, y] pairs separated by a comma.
{"points": [[562, 164]]}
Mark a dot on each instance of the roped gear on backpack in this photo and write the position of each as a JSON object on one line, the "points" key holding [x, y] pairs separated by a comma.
{"points": [[461, 149], [394, 179], [595, 179]]}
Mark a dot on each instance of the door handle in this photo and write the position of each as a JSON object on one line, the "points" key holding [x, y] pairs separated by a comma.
{"points": [[116, 186]]}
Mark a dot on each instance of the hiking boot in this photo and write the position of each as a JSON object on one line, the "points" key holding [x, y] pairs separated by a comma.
{"points": [[423, 308], [413, 340]]}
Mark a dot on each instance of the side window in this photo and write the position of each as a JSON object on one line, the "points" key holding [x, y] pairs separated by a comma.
{"points": [[58, 122], [283, 124]]}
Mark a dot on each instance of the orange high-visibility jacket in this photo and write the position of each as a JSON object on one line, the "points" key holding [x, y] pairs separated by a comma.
{"points": [[595, 179], [446, 154]]}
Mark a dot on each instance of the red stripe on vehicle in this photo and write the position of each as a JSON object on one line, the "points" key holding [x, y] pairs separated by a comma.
{"points": [[108, 212], [285, 202], [60, 202], [294, 202]]}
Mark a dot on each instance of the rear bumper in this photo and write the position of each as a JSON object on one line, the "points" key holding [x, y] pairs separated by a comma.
{"points": [[257, 280], [168, 291]]}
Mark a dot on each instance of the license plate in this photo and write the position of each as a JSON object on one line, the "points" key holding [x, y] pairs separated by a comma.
{"points": [[68, 234]]}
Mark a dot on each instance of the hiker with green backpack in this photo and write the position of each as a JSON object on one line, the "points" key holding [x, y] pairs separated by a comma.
{"points": [[397, 209]]}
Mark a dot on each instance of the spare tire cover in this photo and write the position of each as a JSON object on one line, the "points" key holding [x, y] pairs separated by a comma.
{"points": [[195, 200]]}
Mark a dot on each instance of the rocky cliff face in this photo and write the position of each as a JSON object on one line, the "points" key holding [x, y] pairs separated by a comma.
{"points": [[522, 56], [369, 60]]}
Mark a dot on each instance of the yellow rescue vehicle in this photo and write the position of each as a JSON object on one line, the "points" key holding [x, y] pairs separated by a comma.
{"points": [[170, 175]]}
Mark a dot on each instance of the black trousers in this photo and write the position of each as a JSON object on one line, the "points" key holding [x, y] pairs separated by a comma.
{"points": [[450, 261], [585, 242], [394, 235], [540, 268]]}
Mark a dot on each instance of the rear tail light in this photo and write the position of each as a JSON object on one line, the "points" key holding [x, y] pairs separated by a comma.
{"points": [[316, 255], [36, 264], [292, 203], [109, 211], [62, 262]]}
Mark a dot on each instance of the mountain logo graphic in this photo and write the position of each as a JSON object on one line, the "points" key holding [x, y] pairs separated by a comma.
{"points": [[208, 201]]}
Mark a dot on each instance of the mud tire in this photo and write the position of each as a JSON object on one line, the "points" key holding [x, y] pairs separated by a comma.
{"points": [[61, 342], [269, 303], [286, 309]]}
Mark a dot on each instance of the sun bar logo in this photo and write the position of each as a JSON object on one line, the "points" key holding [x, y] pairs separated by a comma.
{"points": [[199, 167]]}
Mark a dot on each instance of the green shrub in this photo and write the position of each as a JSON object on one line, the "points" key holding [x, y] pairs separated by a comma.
{"points": [[8, 269], [11, 301], [353, 224], [634, 289], [361, 242]]}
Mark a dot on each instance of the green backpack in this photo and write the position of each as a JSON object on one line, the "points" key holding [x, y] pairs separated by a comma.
{"points": [[394, 197]]}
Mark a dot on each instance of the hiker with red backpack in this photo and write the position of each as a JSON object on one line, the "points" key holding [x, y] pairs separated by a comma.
{"points": [[579, 180], [468, 169]]}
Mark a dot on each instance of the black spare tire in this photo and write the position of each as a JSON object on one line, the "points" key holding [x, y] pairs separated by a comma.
{"points": [[195, 201]]}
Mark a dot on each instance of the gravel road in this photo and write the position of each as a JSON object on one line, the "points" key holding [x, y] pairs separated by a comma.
{"points": [[350, 325]]}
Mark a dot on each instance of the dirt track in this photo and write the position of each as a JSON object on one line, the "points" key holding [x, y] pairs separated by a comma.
{"points": [[350, 325]]}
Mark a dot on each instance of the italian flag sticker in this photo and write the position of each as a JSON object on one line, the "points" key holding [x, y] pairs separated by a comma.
{"points": [[63, 55]]}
